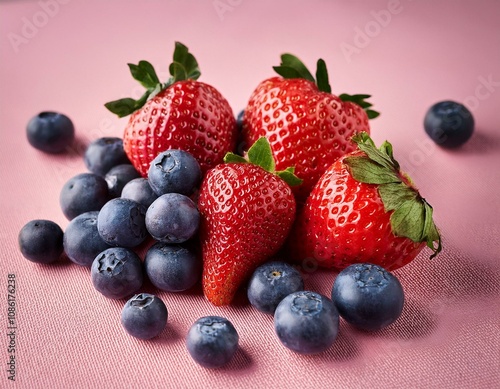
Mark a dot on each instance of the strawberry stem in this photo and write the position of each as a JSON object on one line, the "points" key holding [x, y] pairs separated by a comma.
{"points": [[361, 101], [183, 67], [292, 67], [261, 154], [411, 215]]}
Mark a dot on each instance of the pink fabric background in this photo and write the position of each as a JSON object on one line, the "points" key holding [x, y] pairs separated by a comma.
{"points": [[70, 336]]}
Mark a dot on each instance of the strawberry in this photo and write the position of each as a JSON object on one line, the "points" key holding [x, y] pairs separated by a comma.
{"points": [[307, 126], [247, 210], [364, 209], [180, 114]]}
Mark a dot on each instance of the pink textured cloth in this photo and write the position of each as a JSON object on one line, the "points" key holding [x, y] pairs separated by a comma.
{"points": [[71, 56]]}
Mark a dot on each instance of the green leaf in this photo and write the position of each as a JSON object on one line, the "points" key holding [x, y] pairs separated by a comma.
{"points": [[126, 106], [187, 60], [363, 137], [393, 195], [144, 73], [180, 52], [261, 154], [431, 233], [386, 149], [366, 144], [121, 107], [322, 77], [361, 96], [291, 61], [408, 220], [364, 169], [142, 100], [234, 158], [178, 71], [372, 114], [288, 175], [194, 74], [139, 75], [287, 72], [152, 93], [150, 70], [360, 100]]}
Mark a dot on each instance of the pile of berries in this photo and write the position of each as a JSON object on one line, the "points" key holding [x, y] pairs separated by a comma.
{"points": [[104, 230], [308, 184]]}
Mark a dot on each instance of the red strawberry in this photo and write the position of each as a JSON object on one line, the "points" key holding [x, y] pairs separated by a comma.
{"points": [[247, 211], [364, 209], [307, 126], [180, 114]]}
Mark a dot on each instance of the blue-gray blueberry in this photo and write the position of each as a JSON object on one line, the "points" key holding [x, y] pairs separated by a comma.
{"points": [[172, 218], [172, 268], [41, 241], [118, 176], [144, 316], [306, 322], [272, 282], [368, 296], [121, 222], [82, 241], [103, 154], [174, 171], [139, 190], [84, 192], [212, 341], [50, 132], [449, 124], [117, 272]]}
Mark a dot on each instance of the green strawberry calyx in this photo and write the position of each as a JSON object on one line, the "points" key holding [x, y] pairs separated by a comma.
{"points": [[292, 67], [183, 67], [260, 154], [411, 214]]}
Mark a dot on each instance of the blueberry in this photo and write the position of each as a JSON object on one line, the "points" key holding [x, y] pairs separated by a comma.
{"points": [[118, 176], [306, 322], [272, 282], [212, 341], [121, 223], [117, 272], [368, 296], [172, 268], [172, 218], [41, 241], [174, 171], [103, 154], [83, 193], [50, 132], [239, 120], [449, 124], [82, 241], [144, 316], [139, 190]]}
